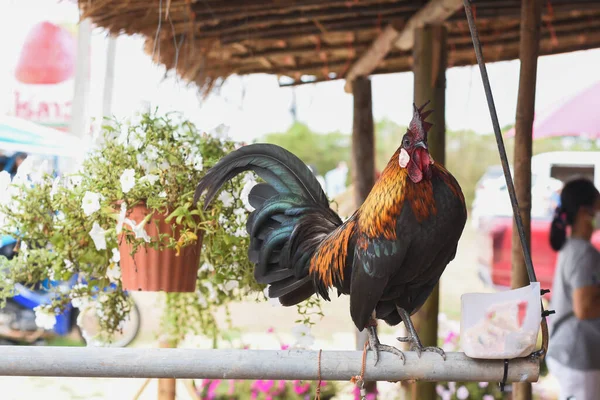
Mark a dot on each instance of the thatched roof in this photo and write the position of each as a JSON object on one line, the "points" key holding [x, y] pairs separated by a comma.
{"points": [[208, 40]]}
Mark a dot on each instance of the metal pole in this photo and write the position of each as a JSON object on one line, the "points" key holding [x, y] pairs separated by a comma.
{"points": [[102, 362], [79, 115], [109, 76]]}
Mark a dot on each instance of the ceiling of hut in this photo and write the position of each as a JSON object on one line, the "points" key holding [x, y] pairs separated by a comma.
{"points": [[317, 40]]}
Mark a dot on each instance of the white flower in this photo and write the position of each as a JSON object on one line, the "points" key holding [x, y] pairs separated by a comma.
{"points": [[150, 178], [221, 132], [98, 236], [80, 302], [239, 232], [116, 255], [113, 272], [137, 140], [212, 293], [54, 189], [162, 194], [462, 393], [121, 218], [245, 192], [226, 198], [124, 136], [302, 335], [207, 267], [195, 160], [230, 285], [272, 302], [68, 265], [144, 163], [44, 318], [151, 152], [127, 180], [90, 203], [201, 299], [138, 230], [164, 164]]}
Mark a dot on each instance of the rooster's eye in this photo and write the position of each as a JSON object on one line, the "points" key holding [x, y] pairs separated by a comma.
{"points": [[406, 142]]}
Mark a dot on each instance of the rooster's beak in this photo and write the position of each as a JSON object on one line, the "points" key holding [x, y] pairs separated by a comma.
{"points": [[421, 144]]}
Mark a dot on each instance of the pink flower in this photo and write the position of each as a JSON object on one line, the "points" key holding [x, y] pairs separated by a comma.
{"points": [[483, 384], [301, 388], [487, 397], [271, 330], [231, 387], [263, 386], [285, 346], [213, 388], [450, 337]]}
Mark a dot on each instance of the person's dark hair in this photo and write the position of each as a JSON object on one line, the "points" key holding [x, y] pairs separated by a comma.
{"points": [[575, 194]]}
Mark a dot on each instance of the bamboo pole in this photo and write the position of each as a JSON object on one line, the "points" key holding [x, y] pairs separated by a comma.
{"points": [[107, 362], [528, 53], [363, 164], [430, 58]]}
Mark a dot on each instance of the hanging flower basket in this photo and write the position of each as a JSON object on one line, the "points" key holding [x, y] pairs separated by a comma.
{"points": [[153, 270]]}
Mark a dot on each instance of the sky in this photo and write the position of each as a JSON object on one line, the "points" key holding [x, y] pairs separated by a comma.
{"points": [[254, 105]]}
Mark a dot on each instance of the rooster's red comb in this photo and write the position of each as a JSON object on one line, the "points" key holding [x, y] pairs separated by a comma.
{"points": [[418, 126]]}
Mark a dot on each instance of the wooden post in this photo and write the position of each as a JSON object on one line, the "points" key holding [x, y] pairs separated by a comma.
{"points": [[528, 53], [363, 163], [167, 387], [430, 58]]}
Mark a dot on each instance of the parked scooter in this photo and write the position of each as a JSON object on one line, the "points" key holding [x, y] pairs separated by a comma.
{"points": [[17, 318]]}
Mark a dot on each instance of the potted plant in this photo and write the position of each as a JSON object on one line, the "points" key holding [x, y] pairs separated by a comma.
{"points": [[130, 200]]}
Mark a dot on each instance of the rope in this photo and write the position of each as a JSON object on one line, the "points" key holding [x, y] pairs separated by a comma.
{"points": [[361, 378], [318, 391]]}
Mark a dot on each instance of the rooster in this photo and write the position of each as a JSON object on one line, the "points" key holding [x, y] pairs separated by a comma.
{"points": [[388, 256]]}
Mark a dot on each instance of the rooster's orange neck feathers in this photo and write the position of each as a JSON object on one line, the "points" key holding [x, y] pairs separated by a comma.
{"points": [[380, 211]]}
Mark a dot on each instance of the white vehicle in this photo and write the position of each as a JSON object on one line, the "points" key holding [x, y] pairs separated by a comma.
{"points": [[548, 173]]}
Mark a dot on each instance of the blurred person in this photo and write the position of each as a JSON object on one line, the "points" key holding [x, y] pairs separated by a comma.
{"points": [[335, 179], [575, 329], [13, 163]]}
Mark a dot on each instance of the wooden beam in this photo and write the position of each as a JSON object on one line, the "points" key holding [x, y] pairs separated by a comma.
{"points": [[435, 11], [430, 54], [529, 47], [363, 164], [372, 57]]}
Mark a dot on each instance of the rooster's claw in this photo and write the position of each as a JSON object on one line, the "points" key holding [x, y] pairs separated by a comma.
{"points": [[377, 347], [417, 347]]}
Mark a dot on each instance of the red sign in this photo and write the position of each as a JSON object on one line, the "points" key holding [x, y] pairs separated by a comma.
{"points": [[44, 75]]}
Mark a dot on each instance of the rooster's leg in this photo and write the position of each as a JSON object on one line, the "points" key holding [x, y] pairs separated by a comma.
{"points": [[413, 338], [376, 346]]}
